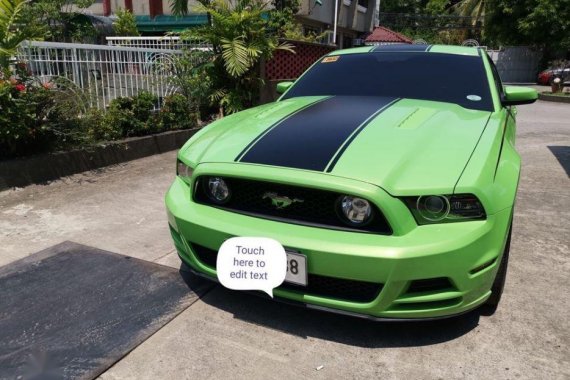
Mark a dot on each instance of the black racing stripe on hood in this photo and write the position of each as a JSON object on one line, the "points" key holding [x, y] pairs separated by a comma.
{"points": [[310, 138], [248, 147]]}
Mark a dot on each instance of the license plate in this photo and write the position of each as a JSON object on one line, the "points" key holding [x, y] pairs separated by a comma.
{"points": [[296, 268]]}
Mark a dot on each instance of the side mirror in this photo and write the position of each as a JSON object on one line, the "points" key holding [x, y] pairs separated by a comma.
{"points": [[283, 86], [515, 95]]}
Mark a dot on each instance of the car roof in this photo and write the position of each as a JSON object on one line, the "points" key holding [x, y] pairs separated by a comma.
{"points": [[396, 48]]}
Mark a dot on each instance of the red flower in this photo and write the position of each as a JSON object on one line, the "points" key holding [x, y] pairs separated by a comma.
{"points": [[20, 87]]}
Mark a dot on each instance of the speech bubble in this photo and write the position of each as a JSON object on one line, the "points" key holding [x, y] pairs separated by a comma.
{"points": [[251, 263]]}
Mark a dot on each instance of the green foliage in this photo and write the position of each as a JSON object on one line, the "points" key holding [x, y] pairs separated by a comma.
{"points": [[45, 116], [543, 23], [294, 32], [128, 117], [126, 24], [282, 17], [137, 116], [437, 7], [404, 6], [470, 8], [80, 29], [13, 30], [58, 20], [192, 80], [284, 24], [176, 114], [241, 37], [36, 116]]}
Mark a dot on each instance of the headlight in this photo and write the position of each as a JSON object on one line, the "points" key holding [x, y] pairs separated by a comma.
{"points": [[355, 211], [429, 209], [184, 171], [217, 190]]}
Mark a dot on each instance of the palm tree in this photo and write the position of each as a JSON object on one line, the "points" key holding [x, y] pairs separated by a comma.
{"points": [[13, 29], [471, 8], [241, 38], [180, 7]]}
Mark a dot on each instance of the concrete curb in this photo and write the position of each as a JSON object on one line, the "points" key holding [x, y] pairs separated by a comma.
{"points": [[554, 98], [46, 167]]}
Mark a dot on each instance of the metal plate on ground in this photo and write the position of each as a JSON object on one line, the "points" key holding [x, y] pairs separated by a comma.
{"points": [[72, 311]]}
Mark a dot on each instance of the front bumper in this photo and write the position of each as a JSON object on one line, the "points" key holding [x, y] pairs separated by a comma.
{"points": [[455, 251]]}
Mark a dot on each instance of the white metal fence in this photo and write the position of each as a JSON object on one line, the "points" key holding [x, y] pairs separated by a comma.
{"points": [[164, 42], [101, 73]]}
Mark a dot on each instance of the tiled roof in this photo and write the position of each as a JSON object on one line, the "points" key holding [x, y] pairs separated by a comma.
{"points": [[382, 34]]}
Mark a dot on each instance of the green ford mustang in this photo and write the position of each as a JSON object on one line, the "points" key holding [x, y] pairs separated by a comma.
{"points": [[388, 173]]}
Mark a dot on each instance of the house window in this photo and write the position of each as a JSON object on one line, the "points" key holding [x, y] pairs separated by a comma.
{"points": [[362, 5]]}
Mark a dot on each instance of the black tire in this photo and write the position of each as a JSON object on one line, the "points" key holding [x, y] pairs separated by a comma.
{"points": [[490, 306]]}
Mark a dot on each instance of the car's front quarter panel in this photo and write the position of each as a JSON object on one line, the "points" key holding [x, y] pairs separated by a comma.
{"points": [[493, 170]]}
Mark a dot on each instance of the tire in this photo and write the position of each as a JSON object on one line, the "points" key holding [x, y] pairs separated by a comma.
{"points": [[490, 306]]}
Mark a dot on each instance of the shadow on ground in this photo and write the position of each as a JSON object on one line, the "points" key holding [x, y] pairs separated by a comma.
{"points": [[562, 154], [353, 331]]}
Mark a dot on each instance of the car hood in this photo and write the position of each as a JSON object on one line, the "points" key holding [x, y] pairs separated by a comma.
{"points": [[405, 146]]}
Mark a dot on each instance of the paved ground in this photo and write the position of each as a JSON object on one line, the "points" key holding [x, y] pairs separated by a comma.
{"points": [[227, 334]]}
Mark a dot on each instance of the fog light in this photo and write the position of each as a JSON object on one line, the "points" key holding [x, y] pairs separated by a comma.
{"points": [[357, 211], [217, 190]]}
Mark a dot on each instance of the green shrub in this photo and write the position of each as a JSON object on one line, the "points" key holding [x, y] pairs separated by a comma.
{"points": [[176, 113], [38, 117], [127, 117], [22, 109], [125, 24]]}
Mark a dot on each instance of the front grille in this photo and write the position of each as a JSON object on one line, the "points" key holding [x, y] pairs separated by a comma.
{"points": [[313, 207], [323, 286]]}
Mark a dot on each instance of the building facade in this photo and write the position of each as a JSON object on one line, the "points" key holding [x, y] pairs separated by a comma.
{"points": [[355, 18]]}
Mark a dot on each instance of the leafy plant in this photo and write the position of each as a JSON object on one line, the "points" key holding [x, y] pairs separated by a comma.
{"points": [[13, 30], [25, 105], [241, 37], [542, 23], [192, 80], [126, 24], [294, 31], [128, 116], [175, 113]]}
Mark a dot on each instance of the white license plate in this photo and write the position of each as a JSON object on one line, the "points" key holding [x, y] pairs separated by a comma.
{"points": [[296, 268]]}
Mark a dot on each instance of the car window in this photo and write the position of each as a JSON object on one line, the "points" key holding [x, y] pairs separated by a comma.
{"points": [[440, 77]]}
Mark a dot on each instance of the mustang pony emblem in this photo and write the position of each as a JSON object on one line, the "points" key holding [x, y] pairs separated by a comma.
{"points": [[280, 201]]}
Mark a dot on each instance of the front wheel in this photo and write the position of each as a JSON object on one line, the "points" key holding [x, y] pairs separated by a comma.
{"points": [[492, 303]]}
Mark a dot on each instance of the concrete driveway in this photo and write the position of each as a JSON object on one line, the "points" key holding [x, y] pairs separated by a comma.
{"points": [[232, 335]]}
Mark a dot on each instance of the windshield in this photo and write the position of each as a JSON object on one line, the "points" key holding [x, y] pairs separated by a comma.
{"points": [[440, 77]]}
